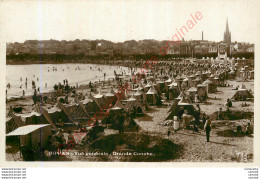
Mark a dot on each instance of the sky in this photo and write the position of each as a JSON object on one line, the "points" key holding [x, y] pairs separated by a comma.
{"points": [[118, 21]]}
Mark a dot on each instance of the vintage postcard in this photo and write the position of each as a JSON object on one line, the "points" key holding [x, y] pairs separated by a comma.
{"points": [[134, 82]]}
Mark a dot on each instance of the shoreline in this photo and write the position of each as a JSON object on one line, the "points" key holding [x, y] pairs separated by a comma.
{"points": [[68, 62]]}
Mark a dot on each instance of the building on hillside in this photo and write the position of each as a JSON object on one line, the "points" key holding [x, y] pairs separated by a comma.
{"points": [[213, 49], [222, 52], [250, 49], [184, 48], [173, 50]]}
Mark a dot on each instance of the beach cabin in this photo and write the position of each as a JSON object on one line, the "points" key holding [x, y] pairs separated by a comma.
{"points": [[202, 92], [251, 75], [232, 75], [32, 135], [210, 87], [192, 92], [216, 80], [161, 86]]}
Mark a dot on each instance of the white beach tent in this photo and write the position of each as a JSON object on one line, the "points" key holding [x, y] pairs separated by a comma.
{"points": [[100, 98], [151, 96]]}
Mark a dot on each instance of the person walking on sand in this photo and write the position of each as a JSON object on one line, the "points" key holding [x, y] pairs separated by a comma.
{"points": [[207, 128]]}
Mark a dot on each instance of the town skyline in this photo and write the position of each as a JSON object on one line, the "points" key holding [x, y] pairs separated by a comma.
{"points": [[94, 20]]}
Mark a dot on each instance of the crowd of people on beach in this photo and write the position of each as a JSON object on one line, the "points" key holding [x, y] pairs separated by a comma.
{"points": [[154, 88]]}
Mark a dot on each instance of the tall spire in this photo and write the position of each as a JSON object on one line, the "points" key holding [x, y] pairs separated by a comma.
{"points": [[227, 29], [227, 34]]}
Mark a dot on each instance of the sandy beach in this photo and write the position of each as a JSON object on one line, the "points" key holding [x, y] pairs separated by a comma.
{"points": [[194, 146]]}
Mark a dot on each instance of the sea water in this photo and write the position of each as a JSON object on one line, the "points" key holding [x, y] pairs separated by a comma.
{"points": [[52, 74]]}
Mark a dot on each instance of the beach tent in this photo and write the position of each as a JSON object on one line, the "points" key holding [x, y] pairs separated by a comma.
{"points": [[91, 105], [12, 122], [211, 77], [242, 94], [62, 107], [32, 118], [76, 111], [100, 98], [189, 82], [129, 103], [113, 112], [32, 135], [110, 97], [192, 77], [197, 81], [204, 76], [173, 83], [210, 87], [120, 94], [151, 96], [174, 105], [184, 102], [198, 73], [168, 82], [134, 104], [178, 108], [185, 83], [139, 95], [173, 91], [148, 86], [39, 109], [118, 108], [55, 114], [242, 73], [179, 81], [157, 88], [183, 95]]}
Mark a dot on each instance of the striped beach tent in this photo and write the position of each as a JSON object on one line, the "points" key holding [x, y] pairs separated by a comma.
{"points": [[39, 109]]}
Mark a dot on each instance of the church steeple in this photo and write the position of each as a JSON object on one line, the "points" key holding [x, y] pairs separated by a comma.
{"points": [[227, 29], [227, 34]]}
